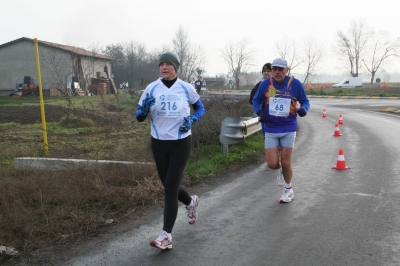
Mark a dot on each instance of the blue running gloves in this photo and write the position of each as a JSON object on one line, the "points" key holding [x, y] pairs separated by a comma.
{"points": [[146, 103], [262, 116], [188, 121], [302, 111]]}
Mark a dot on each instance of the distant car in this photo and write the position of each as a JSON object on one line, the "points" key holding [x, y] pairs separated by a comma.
{"points": [[349, 83]]}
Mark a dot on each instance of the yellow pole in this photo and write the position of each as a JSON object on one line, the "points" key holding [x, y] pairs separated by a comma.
{"points": [[46, 146]]}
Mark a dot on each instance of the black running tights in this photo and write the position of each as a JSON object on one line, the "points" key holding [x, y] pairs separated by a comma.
{"points": [[171, 157]]}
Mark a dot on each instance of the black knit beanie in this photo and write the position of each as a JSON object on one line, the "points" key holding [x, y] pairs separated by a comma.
{"points": [[170, 57], [266, 66]]}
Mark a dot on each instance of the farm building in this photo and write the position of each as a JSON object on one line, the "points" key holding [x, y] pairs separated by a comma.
{"points": [[64, 69]]}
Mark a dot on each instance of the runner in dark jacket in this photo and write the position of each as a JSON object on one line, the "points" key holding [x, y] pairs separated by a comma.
{"points": [[266, 72]]}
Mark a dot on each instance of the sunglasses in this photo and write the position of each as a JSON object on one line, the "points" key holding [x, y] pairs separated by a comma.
{"points": [[278, 68], [266, 70]]}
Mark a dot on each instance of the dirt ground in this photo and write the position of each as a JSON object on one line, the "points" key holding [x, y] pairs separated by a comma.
{"points": [[61, 253], [29, 114], [57, 254]]}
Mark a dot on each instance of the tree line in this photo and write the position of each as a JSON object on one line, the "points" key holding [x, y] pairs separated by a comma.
{"points": [[133, 63], [360, 48]]}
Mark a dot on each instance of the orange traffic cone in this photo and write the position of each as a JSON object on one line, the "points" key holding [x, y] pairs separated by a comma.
{"points": [[337, 131], [341, 119], [341, 164], [324, 113]]}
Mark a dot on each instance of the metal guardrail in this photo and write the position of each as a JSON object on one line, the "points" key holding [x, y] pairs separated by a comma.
{"points": [[235, 129], [225, 96]]}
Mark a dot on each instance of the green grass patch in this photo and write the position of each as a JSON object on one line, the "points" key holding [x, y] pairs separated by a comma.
{"points": [[209, 160], [363, 91]]}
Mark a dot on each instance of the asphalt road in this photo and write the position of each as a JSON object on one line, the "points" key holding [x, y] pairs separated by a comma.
{"points": [[349, 217]]}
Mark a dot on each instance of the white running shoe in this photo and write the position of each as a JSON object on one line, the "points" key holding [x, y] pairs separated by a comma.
{"points": [[163, 241], [191, 210], [279, 178], [287, 196]]}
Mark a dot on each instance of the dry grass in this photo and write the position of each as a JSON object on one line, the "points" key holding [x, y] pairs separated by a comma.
{"points": [[39, 208], [42, 208]]}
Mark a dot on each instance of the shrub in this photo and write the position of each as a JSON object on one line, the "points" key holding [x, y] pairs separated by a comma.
{"points": [[207, 131], [75, 122]]}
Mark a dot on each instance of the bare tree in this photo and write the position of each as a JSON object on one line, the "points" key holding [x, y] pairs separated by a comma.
{"points": [[195, 60], [61, 73], [287, 48], [116, 51], [191, 56], [250, 78], [351, 47], [239, 58], [77, 65], [60, 68], [382, 49], [313, 55], [386, 77], [152, 67], [134, 64], [85, 66], [135, 54], [181, 47]]}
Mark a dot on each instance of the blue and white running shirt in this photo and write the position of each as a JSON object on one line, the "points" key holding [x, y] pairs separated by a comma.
{"points": [[171, 106]]}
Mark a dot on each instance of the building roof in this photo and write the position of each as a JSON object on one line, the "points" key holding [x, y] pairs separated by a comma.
{"points": [[68, 48]]}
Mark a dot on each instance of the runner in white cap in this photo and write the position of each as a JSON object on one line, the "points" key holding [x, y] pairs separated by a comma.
{"points": [[280, 94]]}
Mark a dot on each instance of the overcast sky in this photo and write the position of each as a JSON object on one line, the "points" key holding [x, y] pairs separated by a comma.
{"points": [[209, 23]]}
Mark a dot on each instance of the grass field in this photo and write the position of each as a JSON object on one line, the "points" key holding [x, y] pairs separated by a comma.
{"points": [[44, 208]]}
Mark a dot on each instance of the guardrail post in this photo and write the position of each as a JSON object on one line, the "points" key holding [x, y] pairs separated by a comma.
{"points": [[225, 148]]}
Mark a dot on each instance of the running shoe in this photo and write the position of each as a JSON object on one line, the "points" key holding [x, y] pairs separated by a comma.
{"points": [[279, 177], [287, 196], [191, 210], [163, 241]]}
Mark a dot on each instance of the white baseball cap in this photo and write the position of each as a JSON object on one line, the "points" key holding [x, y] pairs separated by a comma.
{"points": [[279, 62]]}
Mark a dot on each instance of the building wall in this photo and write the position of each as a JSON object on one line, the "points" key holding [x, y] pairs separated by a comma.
{"points": [[91, 66], [94, 69], [18, 60], [55, 67]]}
